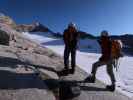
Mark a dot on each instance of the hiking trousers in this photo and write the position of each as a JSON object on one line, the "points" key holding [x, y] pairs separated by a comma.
{"points": [[109, 68], [69, 50]]}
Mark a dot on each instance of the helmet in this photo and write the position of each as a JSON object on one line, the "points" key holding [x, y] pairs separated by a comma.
{"points": [[104, 33], [71, 24]]}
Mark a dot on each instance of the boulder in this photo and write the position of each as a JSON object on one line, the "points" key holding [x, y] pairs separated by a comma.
{"points": [[7, 20], [69, 90], [4, 38]]}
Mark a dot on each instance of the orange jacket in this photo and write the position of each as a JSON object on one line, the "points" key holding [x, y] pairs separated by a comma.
{"points": [[70, 37], [105, 43]]}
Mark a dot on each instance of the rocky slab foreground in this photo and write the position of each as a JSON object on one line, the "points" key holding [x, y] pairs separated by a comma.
{"points": [[92, 91], [22, 86], [19, 78]]}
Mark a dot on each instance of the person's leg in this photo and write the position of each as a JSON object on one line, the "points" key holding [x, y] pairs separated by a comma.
{"points": [[95, 67], [73, 59], [111, 73], [66, 57], [112, 77], [92, 77]]}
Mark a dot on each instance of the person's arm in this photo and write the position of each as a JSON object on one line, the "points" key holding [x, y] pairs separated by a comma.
{"points": [[110, 47], [78, 36], [78, 39], [65, 36], [99, 41]]}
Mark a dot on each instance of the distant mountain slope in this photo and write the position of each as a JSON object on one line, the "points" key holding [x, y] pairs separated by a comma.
{"points": [[34, 27], [83, 35]]}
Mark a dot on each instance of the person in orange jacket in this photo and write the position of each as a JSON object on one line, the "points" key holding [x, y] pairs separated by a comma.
{"points": [[105, 59], [70, 37]]}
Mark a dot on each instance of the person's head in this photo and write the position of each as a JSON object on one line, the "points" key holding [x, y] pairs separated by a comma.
{"points": [[72, 26], [104, 33]]}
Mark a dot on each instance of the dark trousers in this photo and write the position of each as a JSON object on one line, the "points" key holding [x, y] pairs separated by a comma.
{"points": [[109, 69], [70, 50]]}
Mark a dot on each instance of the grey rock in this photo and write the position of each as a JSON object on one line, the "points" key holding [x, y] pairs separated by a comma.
{"points": [[4, 38]]}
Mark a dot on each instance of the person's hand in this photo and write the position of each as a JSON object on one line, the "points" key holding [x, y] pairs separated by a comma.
{"points": [[100, 59], [99, 41], [77, 47]]}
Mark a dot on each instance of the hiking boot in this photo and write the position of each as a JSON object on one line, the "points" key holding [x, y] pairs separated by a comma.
{"points": [[110, 88], [90, 79]]}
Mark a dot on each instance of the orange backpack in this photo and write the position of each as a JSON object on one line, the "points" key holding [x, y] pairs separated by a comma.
{"points": [[116, 48], [116, 52]]}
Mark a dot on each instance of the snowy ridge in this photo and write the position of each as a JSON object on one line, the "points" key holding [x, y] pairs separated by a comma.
{"points": [[88, 53], [37, 36]]}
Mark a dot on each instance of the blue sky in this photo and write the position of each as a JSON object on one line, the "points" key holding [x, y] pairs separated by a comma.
{"points": [[91, 16]]}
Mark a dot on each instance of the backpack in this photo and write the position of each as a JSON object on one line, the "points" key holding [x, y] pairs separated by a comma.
{"points": [[116, 51]]}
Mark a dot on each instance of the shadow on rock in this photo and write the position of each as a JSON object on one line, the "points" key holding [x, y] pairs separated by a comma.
{"points": [[13, 62], [89, 88], [69, 89], [11, 80], [9, 62]]}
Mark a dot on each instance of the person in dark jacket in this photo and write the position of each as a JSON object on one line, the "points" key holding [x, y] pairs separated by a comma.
{"points": [[70, 37], [105, 59]]}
